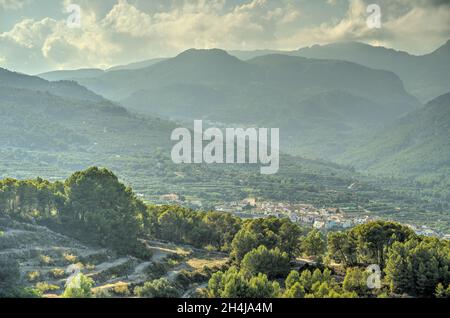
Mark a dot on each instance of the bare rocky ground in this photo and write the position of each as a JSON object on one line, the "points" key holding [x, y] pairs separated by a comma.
{"points": [[47, 259]]}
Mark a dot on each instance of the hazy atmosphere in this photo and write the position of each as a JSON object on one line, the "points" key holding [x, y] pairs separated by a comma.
{"points": [[261, 150], [34, 36]]}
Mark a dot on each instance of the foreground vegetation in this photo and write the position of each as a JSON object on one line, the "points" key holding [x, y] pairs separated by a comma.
{"points": [[268, 257]]}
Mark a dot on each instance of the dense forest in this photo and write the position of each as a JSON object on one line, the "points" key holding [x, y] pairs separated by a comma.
{"points": [[263, 254]]}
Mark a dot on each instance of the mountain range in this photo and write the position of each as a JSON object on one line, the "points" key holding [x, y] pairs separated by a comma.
{"points": [[319, 101], [73, 75], [46, 135], [326, 108], [41, 115], [67, 89], [335, 101], [425, 76]]}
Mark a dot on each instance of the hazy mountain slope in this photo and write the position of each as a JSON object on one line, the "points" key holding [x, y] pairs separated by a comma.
{"points": [[37, 120], [248, 55], [221, 87], [302, 77], [417, 144], [327, 124], [40, 121], [136, 65], [319, 100], [71, 74], [67, 89], [425, 76], [292, 76], [209, 67], [50, 136]]}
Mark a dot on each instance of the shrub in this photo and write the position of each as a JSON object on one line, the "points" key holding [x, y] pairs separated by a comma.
{"points": [[44, 287], [45, 260], [72, 259], [159, 288], [79, 287], [57, 273], [273, 263], [121, 289], [33, 276], [156, 270], [356, 281], [101, 293]]}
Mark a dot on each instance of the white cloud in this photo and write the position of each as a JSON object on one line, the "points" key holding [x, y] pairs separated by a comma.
{"points": [[13, 4], [127, 19], [120, 31], [29, 33], [415, 26]]}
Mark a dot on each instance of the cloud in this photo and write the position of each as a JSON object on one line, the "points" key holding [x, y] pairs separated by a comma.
{"points": [[119, 31], [406, 25], [48, 43], [13, 4]]}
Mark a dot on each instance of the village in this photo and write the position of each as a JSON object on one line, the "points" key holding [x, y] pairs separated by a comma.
{"points": [[325, 219], [307, 214]]}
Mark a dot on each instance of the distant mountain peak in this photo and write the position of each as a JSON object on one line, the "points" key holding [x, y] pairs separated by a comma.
{"points": [[277, 58], [443, 100], [443, 50], [352, 46], [194, 51], [216, 54], [69, 89]]}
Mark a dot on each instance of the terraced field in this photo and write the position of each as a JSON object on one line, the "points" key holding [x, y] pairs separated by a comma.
{"points": [[48, 260]]}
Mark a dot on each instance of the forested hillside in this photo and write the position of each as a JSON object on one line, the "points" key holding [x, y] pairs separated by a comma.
{"points": [[50, 136], [339, 99], [415, 144], [67, 89], [268, 257]]}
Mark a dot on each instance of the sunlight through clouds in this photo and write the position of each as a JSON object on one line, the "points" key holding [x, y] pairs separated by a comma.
{"points": [[121, 31]]}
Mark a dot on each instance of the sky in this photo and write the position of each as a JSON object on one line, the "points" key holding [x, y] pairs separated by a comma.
{"points": [[41, 35]]}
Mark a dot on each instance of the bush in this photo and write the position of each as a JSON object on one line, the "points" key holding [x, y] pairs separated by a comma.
{"points": [[159, 288], [57, 273], [356, 281], [44, 287], [101, 293], [273, 263], [72, 259], [156, 270], [45, 260], [79, 286], [314, 285], [121, 289], [442, 292], [235, 284], [185, 278], [33, 276]]}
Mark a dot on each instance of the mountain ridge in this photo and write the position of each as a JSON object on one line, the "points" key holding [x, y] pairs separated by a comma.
{"points": [[415, 144], [68, 89], [425, 76]]}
